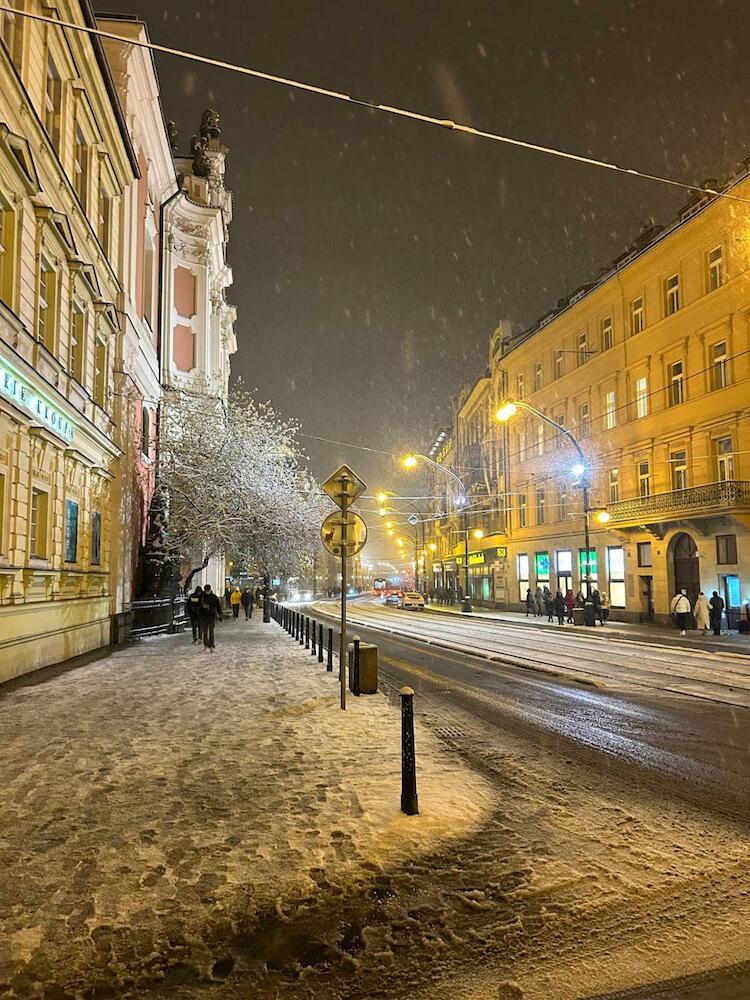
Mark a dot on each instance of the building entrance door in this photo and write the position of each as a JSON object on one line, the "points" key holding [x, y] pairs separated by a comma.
{"points": [[686, 566], [647, 598], [564, 583]]}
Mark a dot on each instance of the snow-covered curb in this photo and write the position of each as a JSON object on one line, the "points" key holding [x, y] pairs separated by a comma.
{"points": [[172, 797]]}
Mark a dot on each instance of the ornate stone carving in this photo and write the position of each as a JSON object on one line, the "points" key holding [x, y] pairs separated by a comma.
{"points": [[210, 124]]}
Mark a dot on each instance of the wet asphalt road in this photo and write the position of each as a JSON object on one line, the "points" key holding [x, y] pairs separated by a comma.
{"points": [[676, 745]]}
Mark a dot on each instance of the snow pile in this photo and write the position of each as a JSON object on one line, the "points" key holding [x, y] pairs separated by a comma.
{"points": [[165, 800]]}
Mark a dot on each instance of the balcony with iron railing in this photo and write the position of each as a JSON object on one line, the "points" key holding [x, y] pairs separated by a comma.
{"points": [[710, 500]]}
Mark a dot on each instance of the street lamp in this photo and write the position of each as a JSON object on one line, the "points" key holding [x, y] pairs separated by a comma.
{"points": [[461, 501], [507, 410]]}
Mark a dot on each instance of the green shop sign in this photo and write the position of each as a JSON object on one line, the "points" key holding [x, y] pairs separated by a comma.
{"points": [[22, 394]]}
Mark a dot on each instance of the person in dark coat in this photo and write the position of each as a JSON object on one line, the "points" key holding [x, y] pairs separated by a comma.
{"points": [[210, 611], [717, 606], [549, 603], [570, 603], [194, 612], [559, 607], [227, 596], [529, 602], [247, 602], [596, 600]]}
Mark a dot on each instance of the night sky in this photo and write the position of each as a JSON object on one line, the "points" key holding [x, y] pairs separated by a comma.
{"points": [[373, 256]]}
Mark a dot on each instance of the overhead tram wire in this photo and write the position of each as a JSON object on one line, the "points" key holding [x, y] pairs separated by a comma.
{"points": [[372, 106]]}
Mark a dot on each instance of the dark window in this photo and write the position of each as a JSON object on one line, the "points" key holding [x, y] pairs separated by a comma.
{"points": [[726, 549], [644, 554], [71, 531], [96, 538]]}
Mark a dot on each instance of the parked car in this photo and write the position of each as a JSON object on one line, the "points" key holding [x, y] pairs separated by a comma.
{"points": [[410, 600], [393, 600]]}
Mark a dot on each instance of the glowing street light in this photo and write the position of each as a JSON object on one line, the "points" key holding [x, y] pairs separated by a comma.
{"points": [[381, 497], [578, 469], [506, 411], [409, 462], [603, 517], [478, 533]]}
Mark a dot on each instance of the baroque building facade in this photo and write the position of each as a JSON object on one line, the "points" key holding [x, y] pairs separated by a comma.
{"points": [[648, 366], [109, 249]]}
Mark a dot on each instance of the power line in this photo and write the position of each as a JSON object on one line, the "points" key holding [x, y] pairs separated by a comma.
{"points": [[373, 106]]}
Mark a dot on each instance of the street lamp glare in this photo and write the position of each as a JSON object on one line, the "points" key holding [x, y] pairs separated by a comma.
{"points": [[478, 533], [505, 412], [389, 524], [433, 547], [381, 497], [578, 469], [409, 462], [603, 516]]}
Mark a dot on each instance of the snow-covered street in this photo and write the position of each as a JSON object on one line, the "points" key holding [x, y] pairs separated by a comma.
{"points": [[188, 823]]}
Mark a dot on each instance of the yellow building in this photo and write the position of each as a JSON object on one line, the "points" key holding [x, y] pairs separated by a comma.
{"points": [[65, 160], [648, 366]]}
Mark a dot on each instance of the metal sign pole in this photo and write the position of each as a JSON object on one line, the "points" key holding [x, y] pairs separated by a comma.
{"points": [[342, 639]]}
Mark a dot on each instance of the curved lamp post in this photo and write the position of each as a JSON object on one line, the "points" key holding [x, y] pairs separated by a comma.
{"points": [[461, 500], [382, 497], [506, 412]]}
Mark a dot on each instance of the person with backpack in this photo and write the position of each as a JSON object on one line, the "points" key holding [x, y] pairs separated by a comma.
{"points": [[680, 608], [247, 602], [193, 607], [210, 611]]}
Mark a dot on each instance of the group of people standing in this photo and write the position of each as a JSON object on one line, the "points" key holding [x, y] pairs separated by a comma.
{"points": [[706, 613], [543, 602]]}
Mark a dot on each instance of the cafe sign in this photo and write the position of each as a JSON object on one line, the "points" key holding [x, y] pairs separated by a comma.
{"points": [[21, 393]]}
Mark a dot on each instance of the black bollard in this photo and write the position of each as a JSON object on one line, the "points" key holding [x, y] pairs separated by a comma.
{"points": [[313, 631], [320, 643], [329, 667], [307, 632], [409, 802], [354, 680], [295, 633], [302, 630]]}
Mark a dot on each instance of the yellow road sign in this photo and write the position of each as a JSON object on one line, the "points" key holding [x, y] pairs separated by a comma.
{"points": [[343, 534], [344, 487]]}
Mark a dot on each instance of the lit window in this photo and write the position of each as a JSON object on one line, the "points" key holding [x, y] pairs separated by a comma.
{"points": [[541, 506], [641, 396], [672, 294], [676, 390], [610, 409], [78, 342], [540, 439], [715, 269], [47, 311], [614, 485], [100, 372], [637, 316], [678, 462], [541, 565], [724, 459], [523, 575], [582, 350], [559, 364], [538, 376], [644, 479], [2, 512], [588, 567], [644, 554], [522, 510], [608, 334], [71, 531], [584, 419], [38, 525], [726, 549], [616, 575], [53, 103], [719, 363], [81, 167]]}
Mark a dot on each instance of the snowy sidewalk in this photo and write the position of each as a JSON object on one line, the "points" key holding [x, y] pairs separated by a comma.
{"points": [[162, 800]]}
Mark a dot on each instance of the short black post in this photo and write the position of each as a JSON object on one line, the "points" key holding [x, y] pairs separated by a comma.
{"points": [[302, 630], [307, 632], [320, 643], [295, 634], [355, 667], [291, 621], [286, 619], [329, 666], [266, 598], [409, 802], [313, 632]]}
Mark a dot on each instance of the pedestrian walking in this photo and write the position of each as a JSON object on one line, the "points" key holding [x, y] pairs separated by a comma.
{"points": [[717, 607], [210, 611], [235, 599], [603, 608], [247, 602], [559, 607], [530, 606], [539, 602], [194, 612], [702, 613], [227, 596], [570, 603], [680, 608], [549, 603]]}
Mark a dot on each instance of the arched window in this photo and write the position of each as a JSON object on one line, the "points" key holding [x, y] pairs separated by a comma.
{"points": [[145, 431]]}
